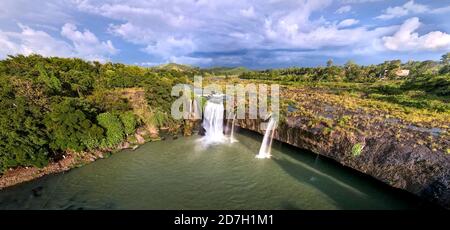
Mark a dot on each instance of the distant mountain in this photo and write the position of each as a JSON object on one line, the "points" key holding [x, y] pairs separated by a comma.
{"points": [[176, 67], [226, 70]]}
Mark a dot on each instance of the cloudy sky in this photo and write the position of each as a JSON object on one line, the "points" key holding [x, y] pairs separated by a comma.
{"points": [[252, 33]]}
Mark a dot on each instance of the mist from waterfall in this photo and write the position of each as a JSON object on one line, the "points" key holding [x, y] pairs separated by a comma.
{"points": [[266, 145]]}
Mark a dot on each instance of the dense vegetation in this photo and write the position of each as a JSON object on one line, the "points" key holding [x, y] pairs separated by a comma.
{"points": [[426, 86], [53, 105], [49, 106]]}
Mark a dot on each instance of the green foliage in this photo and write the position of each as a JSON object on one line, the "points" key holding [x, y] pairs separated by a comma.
{"points": [[22, 135], [158, 94], [107, 100], [437, 85], [129, 122], [115, 132], [445, 69], [344, 120], [357, 149], [159, 118], [446, 59], [70, 128], [49, 105], [49, 80]]}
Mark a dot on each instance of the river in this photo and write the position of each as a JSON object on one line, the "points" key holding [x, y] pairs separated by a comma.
{"points": [[183, 174]]}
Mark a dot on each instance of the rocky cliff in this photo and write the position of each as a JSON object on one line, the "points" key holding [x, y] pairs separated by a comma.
{"points": [[399, 163]]}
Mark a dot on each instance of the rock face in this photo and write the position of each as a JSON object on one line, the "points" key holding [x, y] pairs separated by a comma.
{"points": [[418, 169]]}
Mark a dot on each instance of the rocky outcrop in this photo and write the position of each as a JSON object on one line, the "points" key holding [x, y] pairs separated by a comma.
{"points": [[399, 163]]}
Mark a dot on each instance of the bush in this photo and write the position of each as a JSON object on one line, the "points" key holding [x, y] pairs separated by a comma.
{"points": [[23, 141], [129, 122], [357, 149], [108, 101], [70, 128], [437, 85], [114, 129]]}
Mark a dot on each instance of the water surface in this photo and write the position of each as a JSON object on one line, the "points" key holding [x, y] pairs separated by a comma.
{"points": [[181, 174]]}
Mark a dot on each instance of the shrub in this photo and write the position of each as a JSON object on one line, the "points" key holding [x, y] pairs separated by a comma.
{"points": [[114, 129], [108, 101], [357, 149], [23, 141], [70, 128], [129, 122]]}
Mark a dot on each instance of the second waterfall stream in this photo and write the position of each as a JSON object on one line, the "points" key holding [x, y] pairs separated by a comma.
{"points": [[266, 145]]}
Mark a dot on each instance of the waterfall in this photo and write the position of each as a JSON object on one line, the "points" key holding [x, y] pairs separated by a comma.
{"points": [[232, 140], [213, 122], [227, 126], [266, 145]]}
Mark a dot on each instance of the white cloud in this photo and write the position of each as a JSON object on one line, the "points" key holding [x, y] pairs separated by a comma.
{"points": [[30, 41], [171, 46], [249, 13], [359, 1], [187, 31], [406, 39], [190, 60], [399, 11], [27, 41], [441, 10], [344, 9], [192, 31], [35, 12], [348, 22], [300, 32], [86, 44]]}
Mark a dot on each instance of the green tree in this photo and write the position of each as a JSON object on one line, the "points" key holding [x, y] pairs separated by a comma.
{"points": [[49, 79], [446, 58], [70, 128], [114, 129], [23, 141]]}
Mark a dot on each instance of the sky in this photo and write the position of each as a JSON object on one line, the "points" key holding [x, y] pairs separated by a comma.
{"points": [[252, 33]]}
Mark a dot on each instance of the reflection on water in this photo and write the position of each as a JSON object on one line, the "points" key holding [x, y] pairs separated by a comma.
{"points": [[181, 174]]}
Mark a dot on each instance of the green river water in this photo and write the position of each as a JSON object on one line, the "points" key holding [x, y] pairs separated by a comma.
{"points": [[182, 174]]}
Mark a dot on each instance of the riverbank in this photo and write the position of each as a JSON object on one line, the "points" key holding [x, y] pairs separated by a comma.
{"points": [[69, 161]]}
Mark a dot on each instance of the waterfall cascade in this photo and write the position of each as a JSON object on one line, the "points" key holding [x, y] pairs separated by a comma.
{"points": [[232, 139], [213, 121], [229, 128], [266, 145]]}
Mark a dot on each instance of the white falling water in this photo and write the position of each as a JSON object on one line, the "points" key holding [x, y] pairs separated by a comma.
{"points": [[213, 122], [227, 126], [266, 145], [232, 139]]}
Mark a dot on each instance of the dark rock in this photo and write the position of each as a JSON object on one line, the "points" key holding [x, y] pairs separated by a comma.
{"points": [[201, 131], [418, 170]]}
